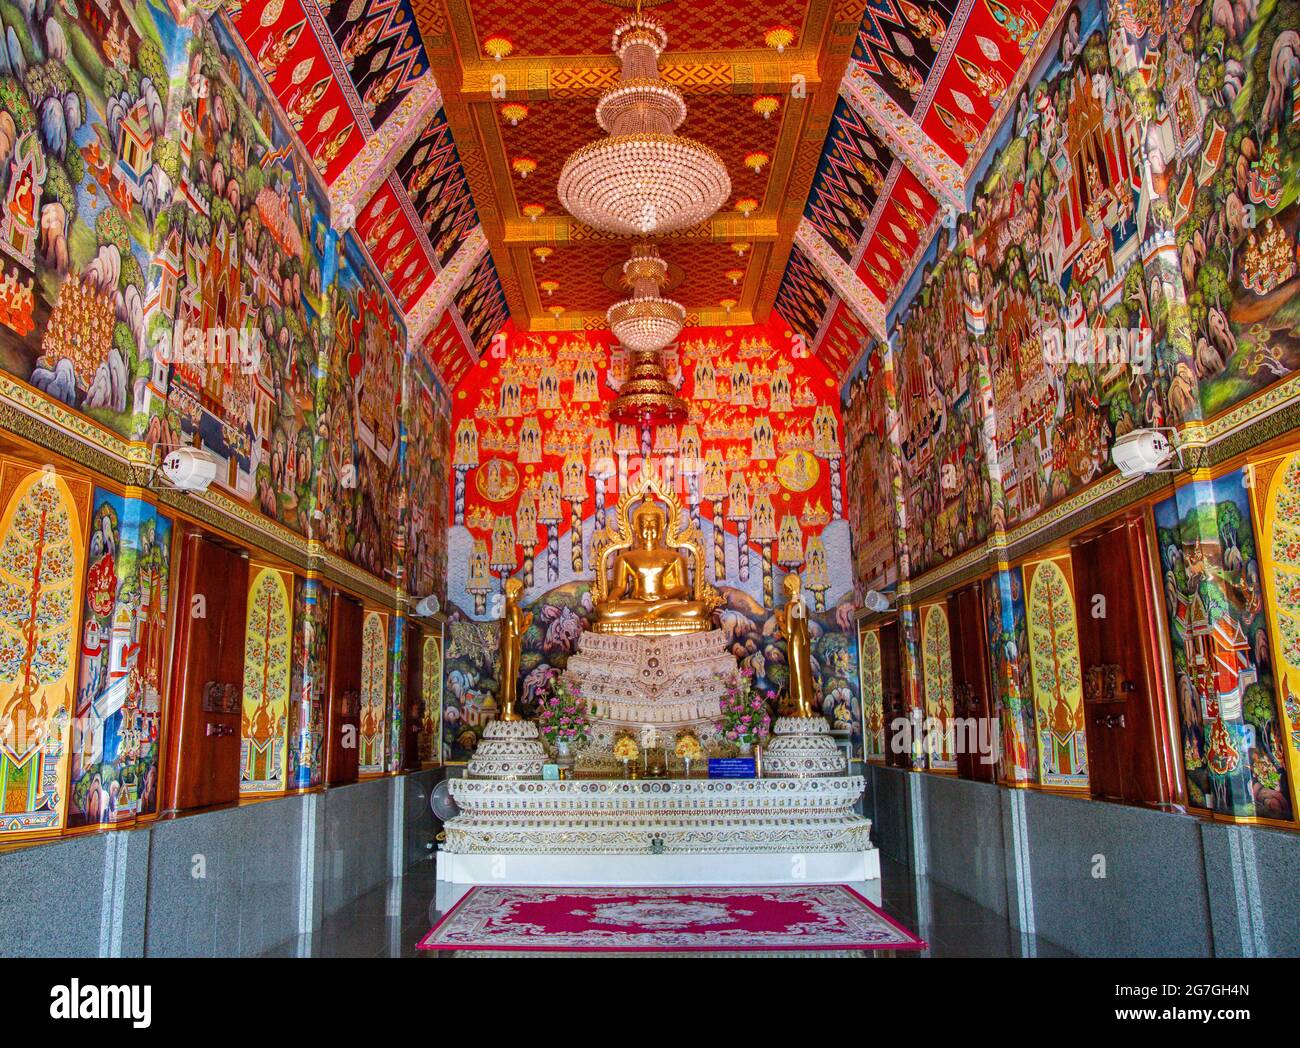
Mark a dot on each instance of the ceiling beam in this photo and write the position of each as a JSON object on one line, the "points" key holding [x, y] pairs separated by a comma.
{"points": [[370, 168], [590, 76], [934, 168], [559, 230], [847, 284], [438, 296]]}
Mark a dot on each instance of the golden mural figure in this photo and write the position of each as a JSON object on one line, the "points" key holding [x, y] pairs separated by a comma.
{"points": [[793, 622], [514, 624], [649, 589]]}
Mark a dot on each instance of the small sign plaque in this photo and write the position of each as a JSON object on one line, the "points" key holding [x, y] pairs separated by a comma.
{"points": [[731, 768]]}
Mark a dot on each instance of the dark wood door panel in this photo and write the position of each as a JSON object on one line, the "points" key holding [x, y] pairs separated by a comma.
{"points": [[209, 671]]}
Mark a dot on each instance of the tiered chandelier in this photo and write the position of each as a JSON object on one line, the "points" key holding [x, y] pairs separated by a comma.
{"points": [[643, 179], [645, 321], [645, 324]]}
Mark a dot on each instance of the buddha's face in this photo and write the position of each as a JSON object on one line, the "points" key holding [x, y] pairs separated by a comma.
{"points": [[648, 525]]}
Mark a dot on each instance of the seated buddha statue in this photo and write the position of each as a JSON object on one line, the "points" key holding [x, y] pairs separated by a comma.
{"points": [[650, 584]]}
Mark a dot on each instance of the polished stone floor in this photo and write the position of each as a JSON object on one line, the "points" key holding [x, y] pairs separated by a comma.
{"points": [[389, 921]]}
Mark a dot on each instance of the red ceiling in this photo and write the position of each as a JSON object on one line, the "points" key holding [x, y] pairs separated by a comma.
{"points": [[582, 27]]}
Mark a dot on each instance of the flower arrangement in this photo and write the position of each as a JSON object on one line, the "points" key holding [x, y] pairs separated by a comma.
{"points": [[626, 749], [746, 714], [561, 713], [688, 747]]}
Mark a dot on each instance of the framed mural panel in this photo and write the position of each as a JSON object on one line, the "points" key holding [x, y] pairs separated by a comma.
{"points": [[268, 647], [937, 679], [1233, 744], [1275, 489], [431, 662], [117, 727], [42, 575], [374, 693], [871, 681], [1056, 671]]}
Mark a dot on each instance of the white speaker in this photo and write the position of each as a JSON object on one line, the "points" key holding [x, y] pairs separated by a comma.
{"points": [[1142, 451], [189, 469], [875, 601]]}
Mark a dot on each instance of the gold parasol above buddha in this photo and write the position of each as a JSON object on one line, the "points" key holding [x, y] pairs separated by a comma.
{"points": [[650, 574]]}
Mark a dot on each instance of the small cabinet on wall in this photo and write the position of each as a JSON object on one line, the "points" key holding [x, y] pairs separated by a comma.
{"points": [[1130, 745], [207, 688]]}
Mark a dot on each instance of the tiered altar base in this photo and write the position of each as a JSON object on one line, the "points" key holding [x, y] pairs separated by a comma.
{"points": [[669, 831]]}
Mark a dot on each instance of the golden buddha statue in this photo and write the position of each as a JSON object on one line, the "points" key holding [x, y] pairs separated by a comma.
{"points": [[514, 624], [649, 589], [793, 622]]}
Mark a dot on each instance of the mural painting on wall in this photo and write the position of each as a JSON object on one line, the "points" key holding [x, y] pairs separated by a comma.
{"points": [[945, 493], [307, 694], [1053, 254], [374, 676], [123, 657], [240, 261], [428, 484], [1276, 491], [870, 447], [1057, 673], [536, 463], [360, 476], [1233, 740], [87, 164], [1226, 150], [42, 571], [937, 680], [268, 642]]}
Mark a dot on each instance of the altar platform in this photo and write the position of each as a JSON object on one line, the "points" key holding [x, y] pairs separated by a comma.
{"points": [[658, 831]]}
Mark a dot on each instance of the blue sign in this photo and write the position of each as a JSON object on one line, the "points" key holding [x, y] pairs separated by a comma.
{"points": [[732, 768]]}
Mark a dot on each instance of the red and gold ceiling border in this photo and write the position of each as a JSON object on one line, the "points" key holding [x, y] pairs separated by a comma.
{"points": [[804, 79]]}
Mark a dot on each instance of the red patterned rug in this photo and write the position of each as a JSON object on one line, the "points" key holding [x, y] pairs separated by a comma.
{"points": [[782, 917]]}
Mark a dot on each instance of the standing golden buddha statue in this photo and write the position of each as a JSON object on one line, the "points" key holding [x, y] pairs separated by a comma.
{"points": [[514, 624], [793, 622]]}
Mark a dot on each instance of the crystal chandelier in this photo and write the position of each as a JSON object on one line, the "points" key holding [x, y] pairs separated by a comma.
{"points": [[645, 321], [642, 180], [645, 324]]}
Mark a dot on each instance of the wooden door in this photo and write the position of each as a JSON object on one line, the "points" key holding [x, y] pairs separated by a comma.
{"points": [[891, 686], [414, 723], [208, 679], [1123, 695], [343, 717], [973, 704]]}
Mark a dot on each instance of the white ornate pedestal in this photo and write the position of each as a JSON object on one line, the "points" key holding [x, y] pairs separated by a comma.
{"points": [[672, 831], [668, 681], [802, 747], [508, 750]]}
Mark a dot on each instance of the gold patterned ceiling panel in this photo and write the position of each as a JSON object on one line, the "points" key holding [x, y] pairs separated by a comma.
{"points": [[581, 27], [520, 82], [586, 278], [537, 146]]}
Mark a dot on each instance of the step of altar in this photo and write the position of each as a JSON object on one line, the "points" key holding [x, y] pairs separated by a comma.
{"points": [[669, 831]]}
